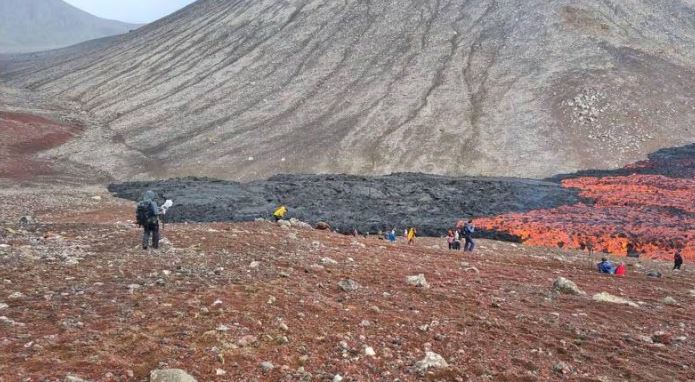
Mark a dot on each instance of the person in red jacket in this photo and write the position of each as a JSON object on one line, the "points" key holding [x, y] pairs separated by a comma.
{"points": [[620, 270]]}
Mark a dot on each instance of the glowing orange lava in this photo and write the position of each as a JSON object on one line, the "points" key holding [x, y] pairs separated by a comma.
{"points": [[650, 214]]}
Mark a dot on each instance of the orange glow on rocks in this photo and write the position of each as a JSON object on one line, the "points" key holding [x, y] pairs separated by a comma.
{"points": [[647, 207]]}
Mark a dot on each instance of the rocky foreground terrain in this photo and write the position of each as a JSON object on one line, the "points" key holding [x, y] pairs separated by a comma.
{"points": [[79, 300], [249, 89]]}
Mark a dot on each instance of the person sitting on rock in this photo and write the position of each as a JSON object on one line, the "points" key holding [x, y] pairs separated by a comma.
{"points": [[620, 270], [280, 213], [677, 260], [606, 266]]}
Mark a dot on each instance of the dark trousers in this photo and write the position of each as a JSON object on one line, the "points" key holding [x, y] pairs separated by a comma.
{"points": [[677, 265], [150, 229], [468, 245]]}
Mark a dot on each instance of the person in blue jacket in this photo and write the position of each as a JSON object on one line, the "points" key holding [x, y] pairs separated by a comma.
{"points": [[606, 266]]}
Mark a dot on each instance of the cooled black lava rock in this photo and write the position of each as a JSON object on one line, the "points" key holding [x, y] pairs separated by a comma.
{"points": [[369, 204]]}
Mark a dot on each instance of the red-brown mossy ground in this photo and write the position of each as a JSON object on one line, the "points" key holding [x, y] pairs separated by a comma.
{"points": [[654, 213], [95, 305], [22, 136]]}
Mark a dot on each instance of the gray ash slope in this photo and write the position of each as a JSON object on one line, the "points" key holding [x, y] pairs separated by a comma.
{"points": [[36, 25], [247, 89], [431, 203]]}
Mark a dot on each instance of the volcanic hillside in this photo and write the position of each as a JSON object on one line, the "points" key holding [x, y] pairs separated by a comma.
{"points": [[34, 25], [246, 89]]}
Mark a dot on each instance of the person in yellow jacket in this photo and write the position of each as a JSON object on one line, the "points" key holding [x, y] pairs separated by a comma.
{"points": [[280, 213], [411, 235]]}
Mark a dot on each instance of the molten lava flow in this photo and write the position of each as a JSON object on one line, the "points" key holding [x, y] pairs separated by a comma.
{"points": [[647, 213]]}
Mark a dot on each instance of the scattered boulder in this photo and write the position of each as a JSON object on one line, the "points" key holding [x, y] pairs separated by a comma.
{"points": [[668, 300], [15, 296], [348, 285], [246, 340], [299, 224], [328, 261], [27, 220], [432, 360], [661, 337], [369, 351], [337, 378], [562, 368], [606, 297], [72, 378], [284, 223], [170, 375], [267, 366], [323, 226], [254, 264], [3, 306], [563, 285], [654, 273], [418, 281]]}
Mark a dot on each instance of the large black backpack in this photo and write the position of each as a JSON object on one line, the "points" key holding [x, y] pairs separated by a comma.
{"points": [[143, 213]]}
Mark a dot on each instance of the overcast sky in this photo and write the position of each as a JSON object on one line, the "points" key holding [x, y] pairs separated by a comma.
{"points": [[132, 11]]}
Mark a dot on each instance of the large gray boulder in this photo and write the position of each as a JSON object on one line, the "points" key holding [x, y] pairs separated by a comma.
{"points": [[170, 375]]}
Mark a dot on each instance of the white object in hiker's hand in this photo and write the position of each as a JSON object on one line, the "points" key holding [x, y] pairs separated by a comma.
{"points": [[166, 206]]}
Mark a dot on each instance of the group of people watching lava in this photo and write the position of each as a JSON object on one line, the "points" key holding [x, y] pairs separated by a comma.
{"points": [[148, 214], [463, 230]]}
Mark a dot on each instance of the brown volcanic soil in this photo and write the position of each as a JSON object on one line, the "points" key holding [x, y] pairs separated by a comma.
{"points": [[22, 136], [503, 323]]}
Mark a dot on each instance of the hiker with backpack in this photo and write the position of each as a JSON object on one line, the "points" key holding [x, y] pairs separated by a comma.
{"points": [[677, 260], [467, 233], [147, 216]]}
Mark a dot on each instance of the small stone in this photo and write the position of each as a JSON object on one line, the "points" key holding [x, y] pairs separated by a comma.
{"points": [[170, 375], [653, 273], [418, 281], [222, 328], [669, 301], [348, 285], [254, 264], [432, 360], [15, 296], [283, 327], [220, 372], [365, 323], [267, 366], [606, 297], [246, 340], [271, 300], [566, 286], [561, 368], [661, 337], [3, 306], [369, 351], [328, 261], [337, 378], [72, 378]]}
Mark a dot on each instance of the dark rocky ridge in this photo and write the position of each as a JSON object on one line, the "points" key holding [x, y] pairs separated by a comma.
{"points": [[431, 203]]}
